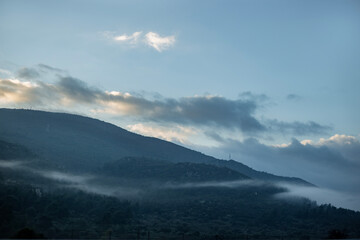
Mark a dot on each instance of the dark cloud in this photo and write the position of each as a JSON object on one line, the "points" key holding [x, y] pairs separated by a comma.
{"points": [[217, 110], [297, 128], [78, 90], [254, 97], [201, 110], [49, 68], [214, 136], [28, 73], [293, 97]]}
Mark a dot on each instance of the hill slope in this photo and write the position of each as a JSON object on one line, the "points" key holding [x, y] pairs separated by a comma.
{"points": [[73, 141]]}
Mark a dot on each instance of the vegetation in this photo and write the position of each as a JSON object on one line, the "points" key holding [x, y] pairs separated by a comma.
{"points": [[196, 213]]}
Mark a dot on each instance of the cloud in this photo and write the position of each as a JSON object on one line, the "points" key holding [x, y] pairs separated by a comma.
{"points": [[348, 146], [151, 39], [197, 110], [178, 133], [288, 191], [77, 90], [204, 111], [18, 92], [293, 97], [10, 164], [332, 163], [297, 128], [132, 39], [85, 183], [321, 196], [64, 177], [254, 97], [5, 72], [28, 73], [221, 184], [159, 43], [49, 68]]}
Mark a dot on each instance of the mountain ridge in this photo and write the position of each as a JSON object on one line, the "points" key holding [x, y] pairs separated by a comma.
{"points": [[93, 140]]}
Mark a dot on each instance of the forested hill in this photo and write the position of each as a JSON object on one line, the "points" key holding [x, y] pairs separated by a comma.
{"points": [[77, 142]]}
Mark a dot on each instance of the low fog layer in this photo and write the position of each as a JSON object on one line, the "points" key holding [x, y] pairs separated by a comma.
{"points": [[322, 196], [92, 184], [332, 163], [86, 183]]}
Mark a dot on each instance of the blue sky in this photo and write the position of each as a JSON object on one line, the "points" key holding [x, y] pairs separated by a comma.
{"points": [[211, 75]]}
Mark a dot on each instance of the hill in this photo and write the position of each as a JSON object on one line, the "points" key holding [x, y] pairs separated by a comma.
{"points": [[78, 143]]}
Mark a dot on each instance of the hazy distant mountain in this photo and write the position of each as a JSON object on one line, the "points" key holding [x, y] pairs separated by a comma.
{"points": [[79, 143]]}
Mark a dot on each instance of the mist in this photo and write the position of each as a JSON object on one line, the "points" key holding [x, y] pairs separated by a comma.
{"points": [[321, 196], [85, 183], [221, 184]]}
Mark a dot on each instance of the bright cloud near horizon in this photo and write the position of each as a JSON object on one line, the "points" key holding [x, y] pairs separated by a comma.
{"points": [[273, 83]]}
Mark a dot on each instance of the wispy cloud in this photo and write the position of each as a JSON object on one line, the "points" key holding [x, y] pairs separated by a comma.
{"points": [[85, 183], [44, 67], [5, 73], [152, 39], [297, 128], [132, 39], [159, 43], [28, 73], [293, 97], [217, 184]]}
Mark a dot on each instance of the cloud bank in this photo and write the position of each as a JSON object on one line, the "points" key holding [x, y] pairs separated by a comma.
{"points": [[201, 111], [332, 163]]}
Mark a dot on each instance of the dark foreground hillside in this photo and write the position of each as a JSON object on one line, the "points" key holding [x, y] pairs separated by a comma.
{"points": [[200, 214]]}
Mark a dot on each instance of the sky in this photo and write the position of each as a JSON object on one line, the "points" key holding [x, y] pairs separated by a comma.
{"points": [[273, 84]]}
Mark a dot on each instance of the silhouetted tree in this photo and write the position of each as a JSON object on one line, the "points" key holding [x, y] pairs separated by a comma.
{"points": [[337, 234], [27, 233]]}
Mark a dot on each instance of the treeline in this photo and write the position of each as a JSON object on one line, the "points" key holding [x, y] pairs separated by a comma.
{"points": [[60, 213], [193, 213]]}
